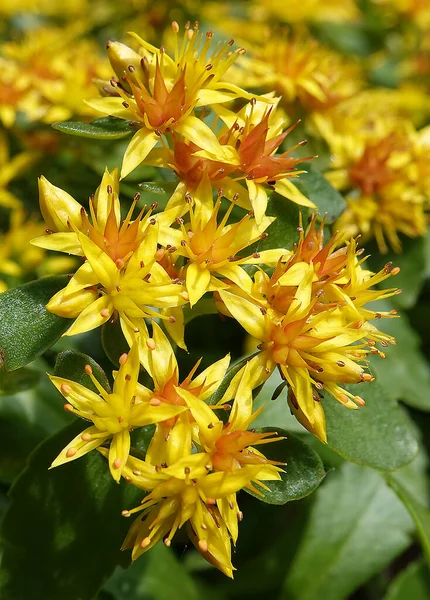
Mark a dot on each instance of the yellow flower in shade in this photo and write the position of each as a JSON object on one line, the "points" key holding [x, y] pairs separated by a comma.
{"points": [[10, 168], [113, 414], [337, 11], [172, 438], [386, 193], [59, 67], [253, 136], [212, 249], [120, 274], [312, 321], [302, 70], [159, 93]]}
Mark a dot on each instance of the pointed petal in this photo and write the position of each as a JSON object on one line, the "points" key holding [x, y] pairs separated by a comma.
{"points": [[197, 281], [138, 149], [249, 315], [118, 453], [258, 199], [91, 317], [78, 447], [285, 188], [62, 242], [58, 207]]}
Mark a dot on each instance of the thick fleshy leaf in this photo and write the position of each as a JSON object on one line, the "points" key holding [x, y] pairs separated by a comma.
{"points": [[315, 187], [378, 435], [113, 340], [106, 128], [71, 365], [27, 329], [75, 517], [304, 469], [357, 526], [161, 575], [18, 381], [283, 232], [419, 513], [412, 582]]}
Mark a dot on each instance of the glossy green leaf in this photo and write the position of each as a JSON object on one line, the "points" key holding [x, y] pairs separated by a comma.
{"points": [[283, 231], [304, 469], [411, 584], [419, 513], [71, 365], [63, 529], [27, 329], [405, 373], [315, 186], [357, 526], [159, 575], [12, 382], [378, 435], [105, 128], [114, 342]]}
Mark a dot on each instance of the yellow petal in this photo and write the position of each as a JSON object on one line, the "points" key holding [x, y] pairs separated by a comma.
{"points": [[295, 274], [138, 149], [102, 199], [71, 305], [258, 199], [58, 207], [285, 188], [197, 131], [62, 242], [209, 425], [91, 317], [161, 361], [247, 314], [237, 275], [102, 265], [220, 484], [110, 106], [78, 447], [197, 281], [118, 453], [210, 378], [241, 412]]}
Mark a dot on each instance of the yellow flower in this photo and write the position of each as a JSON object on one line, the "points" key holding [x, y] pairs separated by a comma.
{"points": [[159, 93], [120, 273], [113, 414], [302, 70], [253, 135], [211, 249], [312, 321], [172, 438], [59, 69], [387, 189], [10, 168]]}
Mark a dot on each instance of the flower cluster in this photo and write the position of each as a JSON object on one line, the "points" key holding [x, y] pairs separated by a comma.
{"points": [[148, 269]]}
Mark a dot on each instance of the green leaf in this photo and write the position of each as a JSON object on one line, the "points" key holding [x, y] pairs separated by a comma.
{"points": [[413, 265], [159, 576], [63, 528], [378, 435], [283, 232], [71, 365], [419, 513], [404, 374], [105, 128], [304, 469], [315, 186], [161, 188], [357, 526], [114, 342], [411, 584], [27, 329], [205, 306], [17, 381]]}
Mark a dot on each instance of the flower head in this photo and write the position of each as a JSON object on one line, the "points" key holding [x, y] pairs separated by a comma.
{"points": [[113, 414]]}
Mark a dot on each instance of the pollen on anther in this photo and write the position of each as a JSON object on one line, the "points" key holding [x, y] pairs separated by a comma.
{"points": [[85, 437], [105, 313], [65, 389], [150, 343], [71, 452], [155, 402], [68, 408], [88, 370], [117, 463], [203, 546], [126, 513], [123, 358], [145, 542]]}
